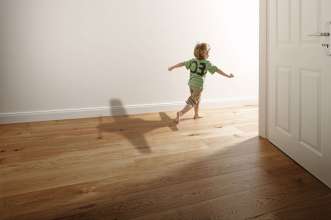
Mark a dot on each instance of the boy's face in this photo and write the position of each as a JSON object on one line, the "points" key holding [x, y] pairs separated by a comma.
{"points": [[206, 54]]}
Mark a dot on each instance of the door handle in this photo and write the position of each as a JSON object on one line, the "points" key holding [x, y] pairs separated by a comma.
{"points": [[325, 45], [322, 34]]}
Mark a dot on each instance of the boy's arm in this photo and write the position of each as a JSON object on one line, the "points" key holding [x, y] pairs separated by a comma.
{"points": [[176, 66], [224, 74]]}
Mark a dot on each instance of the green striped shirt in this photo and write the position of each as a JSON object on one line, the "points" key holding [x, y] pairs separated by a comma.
{"points": [[198, 70]]}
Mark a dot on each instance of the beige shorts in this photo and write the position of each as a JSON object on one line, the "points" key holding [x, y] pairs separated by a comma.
{"points": [[194, 98]]}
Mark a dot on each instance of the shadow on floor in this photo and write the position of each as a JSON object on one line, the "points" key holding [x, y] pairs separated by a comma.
{"points": [[133, 128], [248, 180]]}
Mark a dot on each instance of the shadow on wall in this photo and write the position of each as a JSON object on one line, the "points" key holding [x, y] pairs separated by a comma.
{"points": [[122, 124]]}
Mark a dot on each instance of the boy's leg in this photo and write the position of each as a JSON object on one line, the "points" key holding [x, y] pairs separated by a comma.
{"points": [[191, 102], [196, 111], [186, 108], [197, 105], [189, 105]]}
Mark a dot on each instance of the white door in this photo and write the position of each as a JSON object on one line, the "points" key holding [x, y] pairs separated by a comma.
{"points": [[299, 94]]}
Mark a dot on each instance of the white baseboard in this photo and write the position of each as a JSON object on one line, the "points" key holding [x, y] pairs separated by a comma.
{"points": [[59, 114]]}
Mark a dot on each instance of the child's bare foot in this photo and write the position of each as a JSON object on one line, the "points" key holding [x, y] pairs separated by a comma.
{"points": [[197, 116], [177, 118]]}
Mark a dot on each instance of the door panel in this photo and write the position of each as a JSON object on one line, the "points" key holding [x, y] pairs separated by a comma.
{"points": [[283, 20], [310, 20], [310, 110], [283, 94], [299, 82]]}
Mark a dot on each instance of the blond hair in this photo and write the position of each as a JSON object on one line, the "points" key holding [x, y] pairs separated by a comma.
{"points": [[200, 50]]}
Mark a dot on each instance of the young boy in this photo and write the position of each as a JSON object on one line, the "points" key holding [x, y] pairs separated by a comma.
{"points": [[198, 67]]}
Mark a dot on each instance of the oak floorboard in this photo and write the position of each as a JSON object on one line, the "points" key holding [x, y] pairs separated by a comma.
{"points": [[145, 167]]}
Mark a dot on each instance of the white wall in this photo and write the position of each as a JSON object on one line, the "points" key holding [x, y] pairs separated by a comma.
{"points": [[72, 54]]}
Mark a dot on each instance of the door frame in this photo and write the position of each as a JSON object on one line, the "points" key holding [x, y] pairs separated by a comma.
{"points": [[263, 68]]}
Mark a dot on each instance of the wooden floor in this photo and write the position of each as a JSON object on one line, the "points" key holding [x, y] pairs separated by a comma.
{"points": [[146, 167]]}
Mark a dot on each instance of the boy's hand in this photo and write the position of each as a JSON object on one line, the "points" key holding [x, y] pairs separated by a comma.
{"points": [[170, 68], [230, 75]]}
